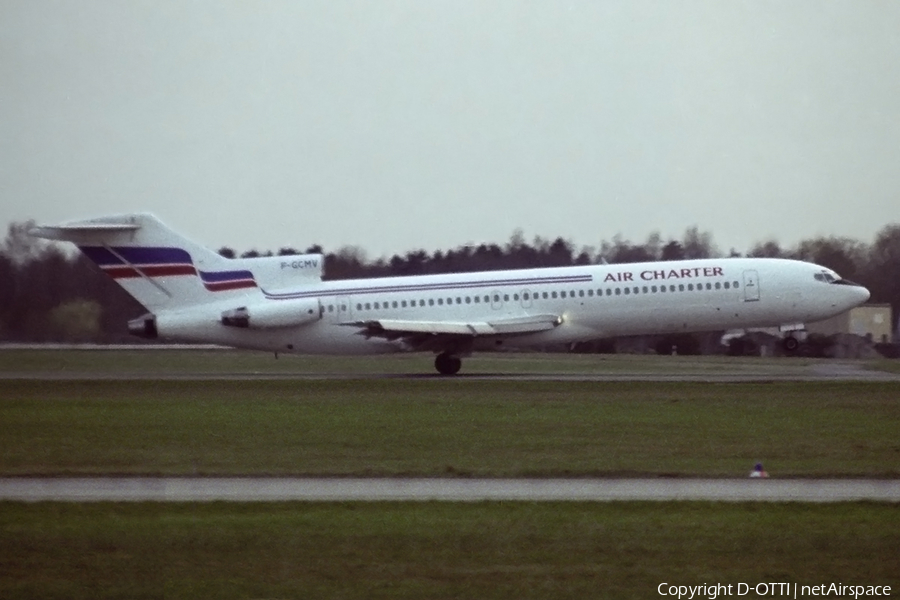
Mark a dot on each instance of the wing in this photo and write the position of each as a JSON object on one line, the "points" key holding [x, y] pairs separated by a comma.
{"points": [[443, 335]]}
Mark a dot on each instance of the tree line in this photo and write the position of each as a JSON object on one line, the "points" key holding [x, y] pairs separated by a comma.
{"points": [[49, 292]]}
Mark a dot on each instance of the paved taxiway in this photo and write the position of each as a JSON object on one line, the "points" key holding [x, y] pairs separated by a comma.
{"points": [[262, 489]]}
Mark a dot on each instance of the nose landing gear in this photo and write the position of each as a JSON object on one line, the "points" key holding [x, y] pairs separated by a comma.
{"points": [[447, 364]]}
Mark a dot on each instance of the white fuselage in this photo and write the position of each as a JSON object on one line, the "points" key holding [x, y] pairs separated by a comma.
{"points": [[592, 301]]}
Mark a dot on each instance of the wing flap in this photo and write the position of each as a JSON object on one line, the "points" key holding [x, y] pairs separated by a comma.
{"points": [[401, 328]]}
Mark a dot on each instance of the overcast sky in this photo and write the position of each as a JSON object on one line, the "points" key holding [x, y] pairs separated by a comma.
{"points": [[403, 125]]}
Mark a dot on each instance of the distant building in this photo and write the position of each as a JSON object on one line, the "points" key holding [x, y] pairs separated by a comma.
{"points": [[870, 321]]}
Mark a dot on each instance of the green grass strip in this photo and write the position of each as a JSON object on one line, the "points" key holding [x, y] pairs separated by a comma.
{"points": [[438, 427], [435, 550]]}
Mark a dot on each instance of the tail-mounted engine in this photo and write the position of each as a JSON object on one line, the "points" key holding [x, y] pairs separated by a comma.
{"points": [[274, 313], [144, 327]]}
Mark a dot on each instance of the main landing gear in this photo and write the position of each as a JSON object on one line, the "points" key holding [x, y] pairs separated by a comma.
{"points": [[447, 364], [790, 344]]}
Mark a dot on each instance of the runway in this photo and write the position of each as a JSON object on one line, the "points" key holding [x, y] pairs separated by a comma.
{"points": [[265, 489], [176, 363], [706, 377]]}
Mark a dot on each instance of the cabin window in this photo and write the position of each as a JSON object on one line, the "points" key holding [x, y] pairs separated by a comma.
{"points": [[516, 297], [618, 292], [421, 303], [487, 299], [545, 295], [735, 284], [709, 286], [690, 287], [477, 299], [496, 297], [553, 294], [680, 287], [727, 285], [627, 291], [525, 296], [368, 306], [331, 308], [468, 299], [718, 285], [431, 302], [591, 292]]}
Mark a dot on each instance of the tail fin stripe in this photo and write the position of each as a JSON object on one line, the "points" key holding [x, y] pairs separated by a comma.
{"points": [[103, 255], [140, 271], [125, 272], [218, 276], [219, 281]]}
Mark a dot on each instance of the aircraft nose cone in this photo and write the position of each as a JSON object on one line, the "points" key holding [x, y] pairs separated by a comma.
{"points": [[864, 294]]}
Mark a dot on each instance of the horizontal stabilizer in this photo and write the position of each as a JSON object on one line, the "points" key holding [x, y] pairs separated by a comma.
{"points": [[77, 231]]}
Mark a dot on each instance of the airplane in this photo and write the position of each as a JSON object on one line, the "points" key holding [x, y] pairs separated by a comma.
{"points": [[281, 303]]}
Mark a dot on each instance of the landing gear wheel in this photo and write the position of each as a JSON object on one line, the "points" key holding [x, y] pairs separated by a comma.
{"points": [[790, 344], [447, 364]]}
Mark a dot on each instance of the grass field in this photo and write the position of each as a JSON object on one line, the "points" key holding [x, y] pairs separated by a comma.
{"points": [[439, 427], [435, 550], [886, 365], [435, 427]]}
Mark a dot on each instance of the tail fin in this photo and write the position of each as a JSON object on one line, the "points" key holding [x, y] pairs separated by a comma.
{"points": [[159, 268]]}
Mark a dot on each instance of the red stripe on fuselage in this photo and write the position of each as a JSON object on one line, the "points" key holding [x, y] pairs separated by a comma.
{"points": [[222, 286]]}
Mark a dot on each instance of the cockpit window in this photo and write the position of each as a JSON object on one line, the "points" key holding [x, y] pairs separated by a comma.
{"points": [[826, 277], [833, 278]]}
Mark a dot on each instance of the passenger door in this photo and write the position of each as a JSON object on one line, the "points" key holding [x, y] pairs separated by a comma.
{"points": [[751, 286]]}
